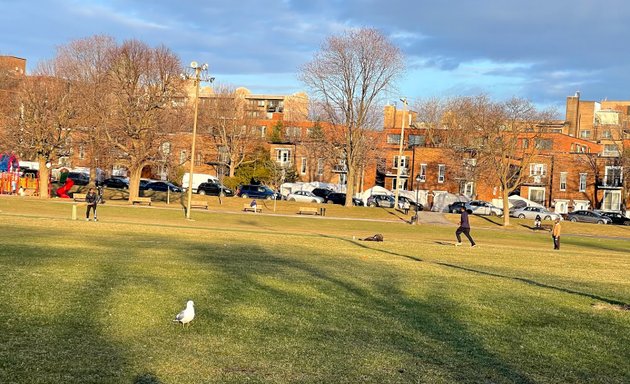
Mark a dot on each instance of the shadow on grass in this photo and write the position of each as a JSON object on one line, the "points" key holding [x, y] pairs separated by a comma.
{"points": [[489, 220], [334, 338]]}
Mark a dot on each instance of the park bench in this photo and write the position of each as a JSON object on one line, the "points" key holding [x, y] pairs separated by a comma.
{"points": [[248, 208], [79, 196], [141, 200], [202, 204], [308, 211]]}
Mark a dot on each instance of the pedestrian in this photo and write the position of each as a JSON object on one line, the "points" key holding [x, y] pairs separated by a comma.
{"points": [[537, 222], [555, 234], [464, 227], [253, 204], [92, 200]]}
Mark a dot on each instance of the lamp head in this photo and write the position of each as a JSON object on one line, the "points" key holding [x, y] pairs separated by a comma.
{"points": [[193, 64]]}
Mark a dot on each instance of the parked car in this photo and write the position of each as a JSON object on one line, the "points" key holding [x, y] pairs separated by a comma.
{"points": [[322, 192], [116, 182], [214, 189], [412, 204], [340, 198], [162, 186], [79, 178], [384, 201], [304, 197], [256, 192], [480, 207], [587, 216], [456, 206], [617, 218], [532, 212]]}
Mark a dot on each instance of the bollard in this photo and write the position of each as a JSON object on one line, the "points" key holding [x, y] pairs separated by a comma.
{"points": [[74, 211]]}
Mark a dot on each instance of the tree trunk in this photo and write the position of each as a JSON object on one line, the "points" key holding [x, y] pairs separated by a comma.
{"points": [[43, 178], [506, 208], [134, 181], [350, 185]]}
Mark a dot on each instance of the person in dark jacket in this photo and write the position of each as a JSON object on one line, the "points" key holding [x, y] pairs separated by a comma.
{"points": [[92, 200], [464, 227]]}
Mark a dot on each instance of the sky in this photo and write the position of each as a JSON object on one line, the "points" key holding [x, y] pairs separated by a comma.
{"points": [[542, 51]]}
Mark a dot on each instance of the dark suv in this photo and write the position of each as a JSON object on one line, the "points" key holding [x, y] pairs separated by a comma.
{"points": [[256, 192], [214, 189], [79, 178]]}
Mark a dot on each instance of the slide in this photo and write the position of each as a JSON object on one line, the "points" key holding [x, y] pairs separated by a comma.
{"points": [[63, 190]]}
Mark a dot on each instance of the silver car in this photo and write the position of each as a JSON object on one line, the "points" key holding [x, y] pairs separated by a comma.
{"points": [[304, 197], [480, 207], [532, 212], [587, 216]]}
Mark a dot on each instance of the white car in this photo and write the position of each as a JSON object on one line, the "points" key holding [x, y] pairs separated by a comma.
{"points": [[304, 197], [532, 212], [480, 207]]}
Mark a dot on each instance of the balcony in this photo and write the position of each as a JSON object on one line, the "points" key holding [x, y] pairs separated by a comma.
{"points": [[393, 172], [541, 179], [610, 182]]}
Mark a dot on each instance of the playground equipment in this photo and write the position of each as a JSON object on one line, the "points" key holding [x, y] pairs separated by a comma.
{"points": [[63, 190]]}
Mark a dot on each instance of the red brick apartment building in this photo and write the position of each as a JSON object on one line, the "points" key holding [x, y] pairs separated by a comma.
{"points": [[579, 164]]}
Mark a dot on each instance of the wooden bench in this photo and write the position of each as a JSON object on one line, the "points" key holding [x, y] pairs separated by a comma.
{"points": [[248, 208], [308, 211], [141, 200], [79, 196], [203, 204]]}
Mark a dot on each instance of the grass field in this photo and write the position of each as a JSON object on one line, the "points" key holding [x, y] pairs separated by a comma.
{"points": [[289, 299]]}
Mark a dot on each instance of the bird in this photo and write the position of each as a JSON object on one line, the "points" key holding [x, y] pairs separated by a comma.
{"points": [[187, 315]]}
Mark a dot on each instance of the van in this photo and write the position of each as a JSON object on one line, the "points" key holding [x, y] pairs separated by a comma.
{"points": [[197, 179]]}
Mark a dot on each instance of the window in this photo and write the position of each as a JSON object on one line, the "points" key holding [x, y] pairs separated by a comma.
{"points": [[199, 159], [81, 152], [537, 195], [441, 173], [611, 150], [320, 167], [537, 169], [294, 132], [423, 173], [613, 176], [393, 139], [563, 181], [263, 131], [611, 201], [166, 148], [544, 144], [303, 167], [582, 182], [585, 134], [466, 188], [606, 134], [183, 156], [283, 156], [525, 143], [403, 162], [416, 139]]}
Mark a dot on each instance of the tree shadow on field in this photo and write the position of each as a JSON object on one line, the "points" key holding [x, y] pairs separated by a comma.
{"points": [[343, 328], [54, 328]]}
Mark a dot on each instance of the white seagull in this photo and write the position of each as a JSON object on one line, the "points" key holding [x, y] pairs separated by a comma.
{"points": [[187, 315]]}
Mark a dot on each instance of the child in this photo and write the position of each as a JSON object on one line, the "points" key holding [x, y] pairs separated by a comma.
{"points": [[537, 223]]}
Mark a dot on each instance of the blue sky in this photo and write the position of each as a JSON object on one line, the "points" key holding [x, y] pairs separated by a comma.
{"points": [[539, 50]]}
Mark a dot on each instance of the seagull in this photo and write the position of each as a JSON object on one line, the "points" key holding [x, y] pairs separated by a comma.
{"points": [[187, 315]]}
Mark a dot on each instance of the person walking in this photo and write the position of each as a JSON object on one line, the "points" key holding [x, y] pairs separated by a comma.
{"points": [[464, 227], [92, 200], [555, 234]]}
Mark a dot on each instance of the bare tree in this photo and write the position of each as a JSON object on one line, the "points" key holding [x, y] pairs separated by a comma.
{"points": [[86, 62], [45, 112], [224, 117], [494, 131], [143, 84], [350, 75]]}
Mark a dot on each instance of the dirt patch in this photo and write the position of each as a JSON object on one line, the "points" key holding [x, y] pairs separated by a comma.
{"points": [[611, 307]]}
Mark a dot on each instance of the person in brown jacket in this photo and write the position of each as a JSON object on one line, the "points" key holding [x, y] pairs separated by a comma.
{"points": [[555, 234]]}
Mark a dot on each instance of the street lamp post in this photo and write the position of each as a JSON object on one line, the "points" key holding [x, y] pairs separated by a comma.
{"points": [[417, 203], [197, 73], [400, 152]]}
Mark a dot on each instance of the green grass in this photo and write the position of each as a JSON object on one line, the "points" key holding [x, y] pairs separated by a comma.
{"points": [[296, 299]]}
